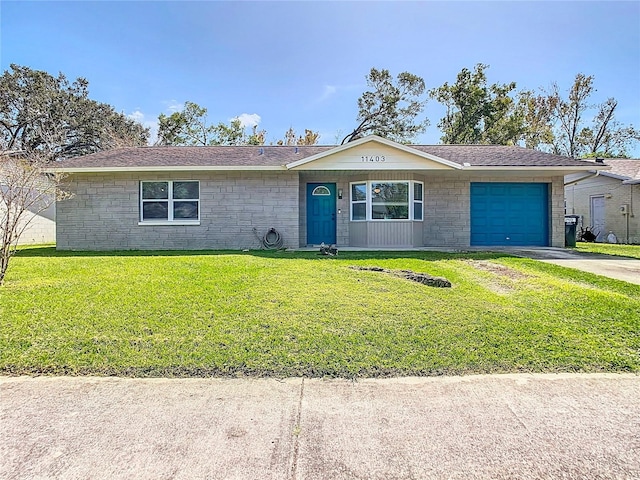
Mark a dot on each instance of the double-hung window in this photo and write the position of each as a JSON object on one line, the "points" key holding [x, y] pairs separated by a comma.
{"points": [[387, 200], [170, 202]]}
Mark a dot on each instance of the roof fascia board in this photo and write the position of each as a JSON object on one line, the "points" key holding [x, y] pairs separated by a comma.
{"points": [[372, 138], [617, 176], [160, 169], [281, 168], [558, 168]]}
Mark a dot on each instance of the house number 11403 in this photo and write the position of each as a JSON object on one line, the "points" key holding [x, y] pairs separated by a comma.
{"points": [[373, 158]]}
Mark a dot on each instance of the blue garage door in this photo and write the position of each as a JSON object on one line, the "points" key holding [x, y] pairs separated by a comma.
{"points": [[510, 214]]}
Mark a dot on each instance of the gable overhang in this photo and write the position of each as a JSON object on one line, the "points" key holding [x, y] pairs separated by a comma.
{"points": [[306, 163]]}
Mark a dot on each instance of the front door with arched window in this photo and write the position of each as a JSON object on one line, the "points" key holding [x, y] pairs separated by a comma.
{"points": [[321, 213]]}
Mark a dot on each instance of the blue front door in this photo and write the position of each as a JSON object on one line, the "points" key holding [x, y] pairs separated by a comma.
{"points": [[321, 213]]}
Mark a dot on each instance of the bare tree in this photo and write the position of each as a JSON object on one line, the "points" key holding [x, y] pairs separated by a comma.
{"points": [[607, 137], [26, 190], [291, 138], [569, 114]]}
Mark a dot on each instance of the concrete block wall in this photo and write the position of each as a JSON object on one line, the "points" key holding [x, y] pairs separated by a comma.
{"points": [[446, 211], [104, 212], [625, 227]]}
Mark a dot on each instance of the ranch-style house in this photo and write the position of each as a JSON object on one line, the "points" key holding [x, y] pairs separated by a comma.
{"points": [[370, 193]]}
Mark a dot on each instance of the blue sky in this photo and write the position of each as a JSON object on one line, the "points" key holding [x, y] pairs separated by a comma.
{"points": [[303, 64]]}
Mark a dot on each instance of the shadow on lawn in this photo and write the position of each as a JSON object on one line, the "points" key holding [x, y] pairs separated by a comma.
{"points": [[50, 251]]}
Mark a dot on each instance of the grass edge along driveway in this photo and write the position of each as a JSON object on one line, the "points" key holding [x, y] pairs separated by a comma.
{"points": [[299, 314]]}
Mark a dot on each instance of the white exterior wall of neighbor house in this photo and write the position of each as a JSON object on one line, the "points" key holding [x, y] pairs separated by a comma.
{"points": [[41, 227], [578, 202], [104, 212], [40, 230]]}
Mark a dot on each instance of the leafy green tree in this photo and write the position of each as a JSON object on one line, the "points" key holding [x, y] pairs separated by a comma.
{"points": [[190, 127], [390, 109], [478, 112], [232, 134], [57, 119]]}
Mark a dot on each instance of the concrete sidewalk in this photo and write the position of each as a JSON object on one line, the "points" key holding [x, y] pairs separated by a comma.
{"points": [[477, 427]]}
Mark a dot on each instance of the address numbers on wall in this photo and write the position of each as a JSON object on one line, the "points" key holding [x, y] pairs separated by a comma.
{"points": [[373, 158]]}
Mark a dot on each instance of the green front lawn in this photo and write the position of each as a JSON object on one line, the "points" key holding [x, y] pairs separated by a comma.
{"points": [[610, 249], [292, 314]]}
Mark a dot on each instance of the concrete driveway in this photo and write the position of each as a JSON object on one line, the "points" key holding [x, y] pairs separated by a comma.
{"points": [[478, 427], [620, 268]]}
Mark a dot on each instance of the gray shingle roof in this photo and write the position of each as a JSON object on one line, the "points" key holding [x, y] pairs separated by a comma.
{"points": [[193, 157], [623, 167], [498, 155], [276, 156]]}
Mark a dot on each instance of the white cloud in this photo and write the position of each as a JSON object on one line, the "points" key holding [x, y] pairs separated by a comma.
{"points": [[173, 106], [248, 119], [328, 91], [138, 116], [151, 124]]}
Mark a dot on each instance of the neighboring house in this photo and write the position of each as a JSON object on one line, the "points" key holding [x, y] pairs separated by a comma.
{"points": [[41, 226], [607, 200], [368, 193]]}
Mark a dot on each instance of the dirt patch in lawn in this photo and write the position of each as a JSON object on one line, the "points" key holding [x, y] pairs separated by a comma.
{"points": [[506, 276], [423, 278]]}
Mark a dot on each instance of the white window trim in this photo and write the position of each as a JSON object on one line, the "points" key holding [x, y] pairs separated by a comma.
{"points": [[369, 203], [170, 200], [316, 191], [413, 201], [353, 202]]}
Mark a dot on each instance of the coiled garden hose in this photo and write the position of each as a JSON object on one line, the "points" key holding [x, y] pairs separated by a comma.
{"points": [[272, 240]]}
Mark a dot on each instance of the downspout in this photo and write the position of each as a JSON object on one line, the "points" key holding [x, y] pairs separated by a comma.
{"points": [[631, 183], [572, 182], [629, 212]]}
